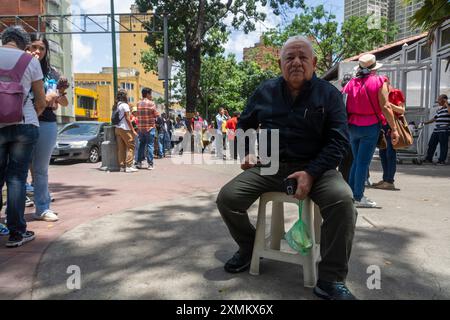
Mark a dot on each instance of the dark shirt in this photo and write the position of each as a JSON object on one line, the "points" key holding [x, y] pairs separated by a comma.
{"points": [[313, 127], [48, 115]]}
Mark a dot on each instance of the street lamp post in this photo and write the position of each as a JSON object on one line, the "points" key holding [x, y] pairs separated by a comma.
{"points": [[166, 63], [114, 49]]}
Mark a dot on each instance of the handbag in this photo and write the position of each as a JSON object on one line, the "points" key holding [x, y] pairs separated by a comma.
{"points": [[405, 137], [381, 143]]}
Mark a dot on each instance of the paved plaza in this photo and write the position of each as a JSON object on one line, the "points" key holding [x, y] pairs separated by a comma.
{"points": [[158, 235]]}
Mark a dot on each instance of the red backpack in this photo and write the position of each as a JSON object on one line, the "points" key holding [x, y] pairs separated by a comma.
{"points": [[11, 92]]}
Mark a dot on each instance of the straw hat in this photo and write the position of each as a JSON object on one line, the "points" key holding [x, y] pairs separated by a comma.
{"points": [[368, 61]]}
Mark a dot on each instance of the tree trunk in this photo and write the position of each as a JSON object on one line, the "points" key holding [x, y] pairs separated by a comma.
{"points": [[193, 65]]}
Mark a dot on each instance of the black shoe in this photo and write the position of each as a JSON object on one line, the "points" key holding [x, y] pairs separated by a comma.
{"points": [[238, 263], [427, 161], [333, 291], [17, 239]]}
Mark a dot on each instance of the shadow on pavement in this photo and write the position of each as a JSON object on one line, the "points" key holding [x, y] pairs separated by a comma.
{"points": [[425, 170], [177, 251], [68, 191]]}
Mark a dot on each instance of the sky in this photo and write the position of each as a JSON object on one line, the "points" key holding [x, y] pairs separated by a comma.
{"points": [[92, 52]]}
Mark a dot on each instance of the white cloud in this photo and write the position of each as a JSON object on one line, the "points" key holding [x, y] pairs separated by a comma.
{"points": [[82, 54]]}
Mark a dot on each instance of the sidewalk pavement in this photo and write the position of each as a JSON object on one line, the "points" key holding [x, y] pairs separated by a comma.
{"points": [[163, 238]]}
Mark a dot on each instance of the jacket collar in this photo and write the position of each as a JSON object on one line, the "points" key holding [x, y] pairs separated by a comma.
{"points": [[307, 87]]}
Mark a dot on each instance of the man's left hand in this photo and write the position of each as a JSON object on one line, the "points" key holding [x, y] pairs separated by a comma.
{"points": [[304, 184]]}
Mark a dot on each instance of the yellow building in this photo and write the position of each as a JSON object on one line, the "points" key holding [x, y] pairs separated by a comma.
{"points": [[131, 75], [131, 47]]}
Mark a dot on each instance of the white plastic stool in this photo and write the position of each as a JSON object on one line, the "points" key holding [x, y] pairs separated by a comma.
{"points": [[311, 217]]}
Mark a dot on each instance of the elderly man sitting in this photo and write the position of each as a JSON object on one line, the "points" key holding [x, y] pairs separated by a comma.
{"points": [[312, 122]]}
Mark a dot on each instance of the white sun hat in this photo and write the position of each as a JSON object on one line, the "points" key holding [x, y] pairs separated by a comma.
{"points": [[368, 61]]}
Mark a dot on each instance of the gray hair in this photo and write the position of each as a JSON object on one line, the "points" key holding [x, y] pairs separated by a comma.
{"points": [[16, 34], [297, 38]]}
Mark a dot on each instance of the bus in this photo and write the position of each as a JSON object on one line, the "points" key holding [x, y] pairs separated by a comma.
{"points": [[86, 104]]}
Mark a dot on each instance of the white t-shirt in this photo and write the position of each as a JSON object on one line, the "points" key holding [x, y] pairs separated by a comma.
{"points": [[123, 124], [8, 59]]}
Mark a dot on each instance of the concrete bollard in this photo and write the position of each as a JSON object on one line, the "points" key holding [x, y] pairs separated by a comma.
{"points": [[110, 161]]}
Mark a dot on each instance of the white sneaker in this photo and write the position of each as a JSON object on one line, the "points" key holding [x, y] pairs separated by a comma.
{"points": [[139, 166], [48, 215], [150, 167], [365, 203], [131, 170], [28, 202]]}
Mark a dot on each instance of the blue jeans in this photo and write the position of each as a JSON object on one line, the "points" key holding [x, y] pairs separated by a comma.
{"points": [[136, 148], [146, 139], [438, 138], [388, 158], [41, 160], [16, 146], [363, 141], [163, 143]]}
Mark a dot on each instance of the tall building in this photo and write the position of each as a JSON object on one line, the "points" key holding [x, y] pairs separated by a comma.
{"points": [[61, 55], [60, 46], [131, 76], [394, 10], [261, 54], [402, 14], [361, 8], [131, 47]]}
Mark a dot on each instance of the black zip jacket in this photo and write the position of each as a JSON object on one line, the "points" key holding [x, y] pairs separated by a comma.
{"points": [[313, 128]]}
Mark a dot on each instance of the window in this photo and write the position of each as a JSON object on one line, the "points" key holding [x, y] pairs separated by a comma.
{"points": [[424, 52], [412, 55], [87, 103], [445, 37]]}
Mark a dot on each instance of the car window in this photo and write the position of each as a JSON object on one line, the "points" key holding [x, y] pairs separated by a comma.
{"points": [[80, 129]]}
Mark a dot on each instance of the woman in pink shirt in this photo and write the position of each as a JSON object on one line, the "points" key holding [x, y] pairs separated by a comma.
{"points": [[367, 110]]}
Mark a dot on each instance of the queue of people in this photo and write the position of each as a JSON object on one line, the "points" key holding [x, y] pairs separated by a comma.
{"points": [[30, 93]]}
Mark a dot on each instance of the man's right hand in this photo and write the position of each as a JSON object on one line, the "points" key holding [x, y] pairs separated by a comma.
{"points": [[249, 162]]}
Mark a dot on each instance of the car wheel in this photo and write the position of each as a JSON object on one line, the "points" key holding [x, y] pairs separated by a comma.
{"points": [[94, 155]]}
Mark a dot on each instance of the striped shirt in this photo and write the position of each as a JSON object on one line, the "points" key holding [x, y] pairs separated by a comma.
{"points": [[442, 118], [147, 114]]}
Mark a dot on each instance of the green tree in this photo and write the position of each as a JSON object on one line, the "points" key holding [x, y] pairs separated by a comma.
{"points": [[430, 16], [332, 44], [197, 28]]}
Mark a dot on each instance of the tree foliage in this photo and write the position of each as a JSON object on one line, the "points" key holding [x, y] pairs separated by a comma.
{"points": [[332, 44], [198, 28], [224, 83]]}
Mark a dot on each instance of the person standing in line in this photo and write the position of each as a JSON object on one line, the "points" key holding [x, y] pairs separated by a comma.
{"points": [[197, 131], [55, 89], [368, 110], [147, 114], [232, 127], [388, 156], [134, 122], [125, 133], [440, 133], [18, 70], [162, 126], [221, 120]]}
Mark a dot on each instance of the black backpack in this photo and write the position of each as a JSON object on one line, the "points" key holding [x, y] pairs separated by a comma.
{"points": [[115, 116]]}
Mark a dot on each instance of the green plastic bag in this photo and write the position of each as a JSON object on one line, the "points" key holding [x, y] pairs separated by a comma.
{"points": [[298, 237]]}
